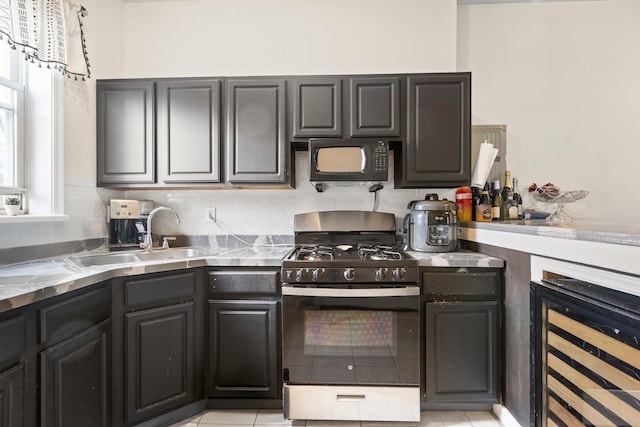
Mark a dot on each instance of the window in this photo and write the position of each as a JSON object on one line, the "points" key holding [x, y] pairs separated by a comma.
{"points": [[12, 115], [31, 136]]}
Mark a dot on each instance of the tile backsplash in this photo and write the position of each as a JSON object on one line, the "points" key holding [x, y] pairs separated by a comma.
{"points": [[239, 212], [260, 212]]}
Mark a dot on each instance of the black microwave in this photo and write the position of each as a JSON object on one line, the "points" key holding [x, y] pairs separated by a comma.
{"points": [[348, 159]]}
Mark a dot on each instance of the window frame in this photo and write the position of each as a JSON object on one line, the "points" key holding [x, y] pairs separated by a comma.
{"points": [[39, 146], [16, 81]]}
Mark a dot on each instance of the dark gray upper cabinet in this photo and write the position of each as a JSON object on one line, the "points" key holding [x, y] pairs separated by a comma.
{"points": [[125, 132], [374, 106], [369, 106], [189, 131], [437, 149], [256, 141], [317, 107]]}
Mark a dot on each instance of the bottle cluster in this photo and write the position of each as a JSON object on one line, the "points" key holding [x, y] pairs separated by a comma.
{"points": [[491, 203]]}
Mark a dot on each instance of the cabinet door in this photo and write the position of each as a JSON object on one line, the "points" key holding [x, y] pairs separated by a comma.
{"points": [[256, 141], [243, 349], [189, 131], [375, 106], [462, 352], [437, 149], [159, 360], [12, 397], [317, 107], [75, 378], [126, 132]]}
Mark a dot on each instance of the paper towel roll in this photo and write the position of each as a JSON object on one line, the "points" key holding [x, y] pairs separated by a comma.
{"points": [[486, 156]]}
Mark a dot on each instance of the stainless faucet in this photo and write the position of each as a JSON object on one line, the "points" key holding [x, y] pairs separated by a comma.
{"points": [[148, 242]]}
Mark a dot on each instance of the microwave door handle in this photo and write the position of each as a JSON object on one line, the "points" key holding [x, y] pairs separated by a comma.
{"points": [[337, 292]]}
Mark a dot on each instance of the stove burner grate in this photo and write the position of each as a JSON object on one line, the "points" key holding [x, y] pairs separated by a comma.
{"points": [[314, 253], [378, 252]]}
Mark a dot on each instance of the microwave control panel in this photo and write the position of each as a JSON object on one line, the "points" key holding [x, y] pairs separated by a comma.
{"points": [[381, 161]]}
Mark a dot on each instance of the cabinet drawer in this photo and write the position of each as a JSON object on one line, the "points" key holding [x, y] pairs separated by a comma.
{"points": [[159, 289], [253, 282], [12, 340], [461, 284], [69, 317]]}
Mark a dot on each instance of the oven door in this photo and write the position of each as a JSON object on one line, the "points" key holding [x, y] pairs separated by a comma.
{"points": [[359, 336]]}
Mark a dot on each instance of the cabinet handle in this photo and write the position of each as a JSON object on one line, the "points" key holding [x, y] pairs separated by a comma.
{"points": [[351, 397]]}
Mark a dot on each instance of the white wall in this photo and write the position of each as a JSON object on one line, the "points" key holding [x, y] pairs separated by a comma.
{"points": [[257, 37], [565, 79]]}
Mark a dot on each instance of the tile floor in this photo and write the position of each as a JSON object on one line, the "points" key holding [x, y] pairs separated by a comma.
{"points": [[274, 418]]}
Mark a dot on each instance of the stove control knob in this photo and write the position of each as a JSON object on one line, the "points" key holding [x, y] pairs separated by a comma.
{"points": [[380, 273], [349, 274], [288, 274], [316, 274], [398, 273], [299, 275]]}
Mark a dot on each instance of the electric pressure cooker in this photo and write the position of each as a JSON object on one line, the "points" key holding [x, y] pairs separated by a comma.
{"points": [[431, 226]]}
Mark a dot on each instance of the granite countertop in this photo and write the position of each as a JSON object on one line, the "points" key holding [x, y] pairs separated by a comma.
{"points": [[461, 258], [27, 282], [621, 232]]}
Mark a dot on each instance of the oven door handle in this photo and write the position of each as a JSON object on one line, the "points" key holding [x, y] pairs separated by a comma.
{"points": [[337, 292]]}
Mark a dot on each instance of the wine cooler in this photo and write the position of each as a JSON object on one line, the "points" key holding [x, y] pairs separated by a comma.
{"points": [[586, 345]]}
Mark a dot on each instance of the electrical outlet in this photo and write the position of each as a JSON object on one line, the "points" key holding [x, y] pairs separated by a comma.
{"points": [[210, 215]]}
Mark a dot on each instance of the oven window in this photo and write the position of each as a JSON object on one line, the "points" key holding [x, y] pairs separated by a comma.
{"points": [[365, 341], [339, 332]]}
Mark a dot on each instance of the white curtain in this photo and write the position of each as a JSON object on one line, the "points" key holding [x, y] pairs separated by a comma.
{"points": [[47, 31]]}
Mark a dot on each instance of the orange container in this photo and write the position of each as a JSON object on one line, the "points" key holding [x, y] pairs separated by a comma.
{"points": [[464, 200]]}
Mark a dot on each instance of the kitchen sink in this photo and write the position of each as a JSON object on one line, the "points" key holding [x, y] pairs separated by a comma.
{"points": [[104, 259], [173, 253], [138, 256]]}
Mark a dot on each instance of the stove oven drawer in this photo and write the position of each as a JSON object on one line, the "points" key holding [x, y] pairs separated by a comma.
{"points": [[352, 403]]}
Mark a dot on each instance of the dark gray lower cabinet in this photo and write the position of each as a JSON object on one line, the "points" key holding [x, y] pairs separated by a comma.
{"points": [[243, 350], [160, 360], [13, 367], [74, 334], [158, 353], [76, 380], [55, 361], [462, 338], [12, 399], [461, 360], [244, 338]]}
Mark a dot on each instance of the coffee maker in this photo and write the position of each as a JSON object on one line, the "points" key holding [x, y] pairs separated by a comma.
{"points": [[127, 223]]}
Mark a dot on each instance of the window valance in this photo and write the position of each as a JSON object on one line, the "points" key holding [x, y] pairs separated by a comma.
{"points": [[47, 31]]}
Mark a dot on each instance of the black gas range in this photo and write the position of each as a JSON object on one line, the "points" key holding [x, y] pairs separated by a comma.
{"points": [[350, 321]]}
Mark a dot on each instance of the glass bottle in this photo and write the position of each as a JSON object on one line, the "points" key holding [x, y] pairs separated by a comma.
{"points": [[518, 198], [496, 201], [507, 185], [510, 208], [483, 208]]}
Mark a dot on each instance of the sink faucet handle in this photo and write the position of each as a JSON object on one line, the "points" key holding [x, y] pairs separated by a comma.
{"points": [[165, 241]]}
